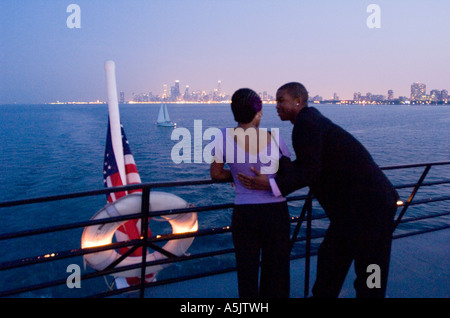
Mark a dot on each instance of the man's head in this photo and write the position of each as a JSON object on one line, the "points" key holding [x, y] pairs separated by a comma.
{"points": [[291, 98]]}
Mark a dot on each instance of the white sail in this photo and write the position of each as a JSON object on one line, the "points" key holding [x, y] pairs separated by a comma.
{"points": [[161, 118], [166, 113]]}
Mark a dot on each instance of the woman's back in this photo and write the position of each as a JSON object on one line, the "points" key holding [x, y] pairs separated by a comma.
{"points": [[242, 149]]}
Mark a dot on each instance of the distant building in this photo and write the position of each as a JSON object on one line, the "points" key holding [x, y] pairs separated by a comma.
{"points": [[378, 98], [122, 98], [369, 97], [164, 96], [390, 94], [418, 91], [219, 87], [435, 95], [175, 91], [187, 94]]}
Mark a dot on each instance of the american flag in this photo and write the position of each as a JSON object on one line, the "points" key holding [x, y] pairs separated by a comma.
{"points": [[111, 171], [111, 178]]}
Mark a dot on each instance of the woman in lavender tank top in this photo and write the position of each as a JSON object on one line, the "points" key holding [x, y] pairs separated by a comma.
{"points": [[260, 221]]}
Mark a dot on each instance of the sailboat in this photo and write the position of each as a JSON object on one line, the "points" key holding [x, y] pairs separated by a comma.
{"points": [[163, 117]]}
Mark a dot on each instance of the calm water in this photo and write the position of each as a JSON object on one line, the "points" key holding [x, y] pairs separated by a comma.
{"points": [[58, 149]]}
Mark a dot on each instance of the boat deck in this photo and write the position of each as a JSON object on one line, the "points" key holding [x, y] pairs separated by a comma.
{"points": [[420, 268]]}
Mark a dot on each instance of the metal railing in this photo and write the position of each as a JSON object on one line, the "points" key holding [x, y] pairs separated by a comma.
{"points": [[150, 242]]}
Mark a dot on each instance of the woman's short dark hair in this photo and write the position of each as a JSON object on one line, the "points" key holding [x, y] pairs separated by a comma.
{"points": [[245, 103], [296, 90]]}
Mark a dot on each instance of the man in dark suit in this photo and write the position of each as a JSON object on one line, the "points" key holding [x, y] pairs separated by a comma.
{"points": [[357, 197]]}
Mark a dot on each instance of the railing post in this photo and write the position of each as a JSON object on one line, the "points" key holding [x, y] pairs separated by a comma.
{"points": [[308, 204], [300, 220], [411, 196], [145, 207]]}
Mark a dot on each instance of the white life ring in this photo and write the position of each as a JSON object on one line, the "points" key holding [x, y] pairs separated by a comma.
{"points": [[102, 234]]}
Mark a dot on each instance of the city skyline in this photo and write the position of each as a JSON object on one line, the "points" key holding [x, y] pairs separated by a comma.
{"points": [[55, 50], [418, 92]]}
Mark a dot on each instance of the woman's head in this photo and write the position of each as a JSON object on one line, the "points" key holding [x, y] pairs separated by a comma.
{"points": [[245, 104]]}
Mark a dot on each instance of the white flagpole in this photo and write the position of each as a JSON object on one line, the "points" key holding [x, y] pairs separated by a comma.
{"points": [[114, 118]]}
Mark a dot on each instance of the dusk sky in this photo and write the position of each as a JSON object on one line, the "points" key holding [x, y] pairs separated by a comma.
{"points": [[326, 45]]}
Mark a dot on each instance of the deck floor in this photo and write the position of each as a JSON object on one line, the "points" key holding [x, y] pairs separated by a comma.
{"points": [[420, 268]]}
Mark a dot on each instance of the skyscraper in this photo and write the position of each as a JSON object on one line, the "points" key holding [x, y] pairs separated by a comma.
{"points": [[164, 96], [187, 94], [219, 87], [357, 96], [390, 94], [175, 91], [418, 90], [435, 95]]}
